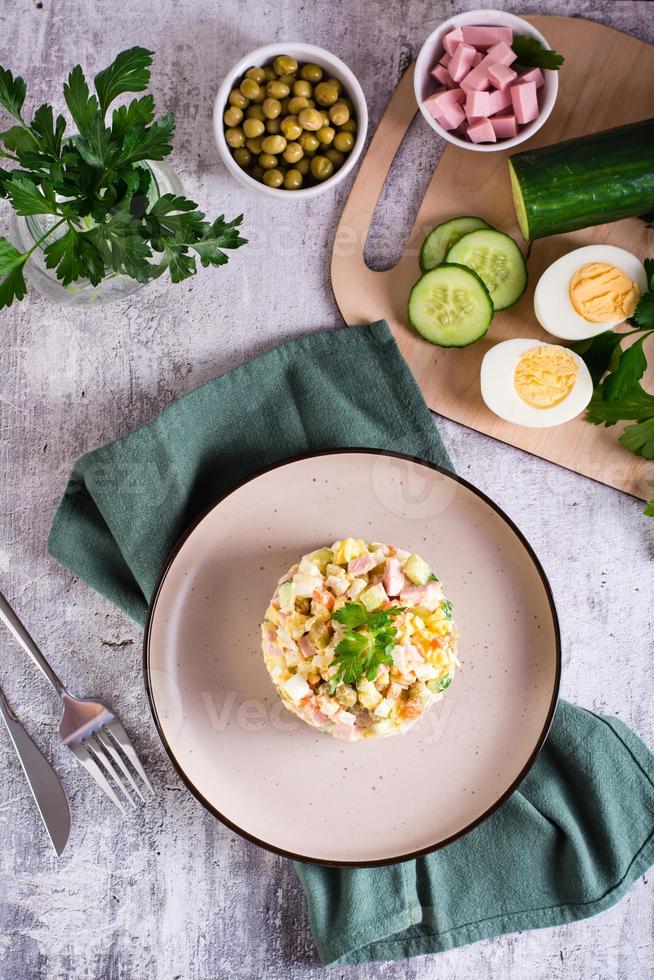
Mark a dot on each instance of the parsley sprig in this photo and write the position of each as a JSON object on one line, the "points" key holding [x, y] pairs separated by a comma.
{"points": [[92, 187], [368, 641], [532, 54], [616, 372]]}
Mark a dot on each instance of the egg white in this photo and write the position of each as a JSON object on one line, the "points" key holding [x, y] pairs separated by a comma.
{"points": [[498, 390], [552, 304]]}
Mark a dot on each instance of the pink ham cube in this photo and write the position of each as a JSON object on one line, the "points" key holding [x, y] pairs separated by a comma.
{"points": [[307, 648], [445, 60], [424, 595], [442, 75], [486, 37], [477, 79], [525, 101], [501, 76], [461, 62], [445, 107], [359, 566], [481, 131], [501, 54], [451, 40], [393, 580], [506, 127], [477, 104], [478, 58], [499, 101], [533, 75]]}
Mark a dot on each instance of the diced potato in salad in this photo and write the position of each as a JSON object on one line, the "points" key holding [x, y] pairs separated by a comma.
{"points": [[359, 639]]}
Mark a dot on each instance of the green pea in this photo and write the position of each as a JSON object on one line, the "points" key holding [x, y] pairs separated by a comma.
{"points": [[326, 93], [339, 114], [253, 128], [326, 121], [255, 112], [249, 89], [303, 89], [325, 135], [297, 104], [267, 161], [254, 146], [237, 99], [277, 90], [235, 137], [349, 127], [285, 65], [274, 144], [257, 172], [321, 168], [309, 143], [232, 116], [292, 180], [303, 166], [271, 108], [291, 128], [287, 80], [310, 119], [293, 153], [256, 74], [273, 178], [343, 142], [269, 74], [335, 82], [336, 157], [242, 156], [274, 126], [312, 73]]}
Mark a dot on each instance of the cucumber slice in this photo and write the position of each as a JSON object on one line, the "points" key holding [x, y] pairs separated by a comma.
{"points": [[497, 259], [450, 306], [444, 236]]}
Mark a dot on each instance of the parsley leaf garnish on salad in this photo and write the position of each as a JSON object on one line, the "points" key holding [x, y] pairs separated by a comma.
{"points": [[367, 642], [532, 54], [616, 374]]}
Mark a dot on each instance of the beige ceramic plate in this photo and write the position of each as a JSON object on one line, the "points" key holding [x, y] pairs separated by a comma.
{"points": [[295, 790]]}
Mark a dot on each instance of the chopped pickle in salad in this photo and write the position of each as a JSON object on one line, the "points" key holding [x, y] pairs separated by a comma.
{"points": [[359, 639]]}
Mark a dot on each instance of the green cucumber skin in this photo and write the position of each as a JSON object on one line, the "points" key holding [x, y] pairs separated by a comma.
{"points": [[588, 180]]}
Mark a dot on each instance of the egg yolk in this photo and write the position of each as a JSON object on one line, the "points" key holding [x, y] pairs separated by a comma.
{"points": [[545, 376], [601, 293]]}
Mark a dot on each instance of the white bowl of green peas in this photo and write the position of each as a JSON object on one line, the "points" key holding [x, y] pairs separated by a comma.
{"points": [[290, 120]]}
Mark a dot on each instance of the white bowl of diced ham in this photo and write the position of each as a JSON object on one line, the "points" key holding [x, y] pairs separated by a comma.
{"points": [[471, 88]]}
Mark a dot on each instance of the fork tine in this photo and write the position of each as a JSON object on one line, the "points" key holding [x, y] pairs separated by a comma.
{"points": [[108, 743], [97, 750], [89, 763], [120, 735]]}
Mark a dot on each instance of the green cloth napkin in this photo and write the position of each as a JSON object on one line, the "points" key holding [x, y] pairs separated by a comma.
{"points": [[579, 830]]}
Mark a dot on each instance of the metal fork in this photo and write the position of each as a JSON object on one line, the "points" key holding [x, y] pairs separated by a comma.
{"points": [[89, 729]]}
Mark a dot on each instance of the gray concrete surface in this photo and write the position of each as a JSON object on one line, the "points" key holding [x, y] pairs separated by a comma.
{"points": [[170, 893]]}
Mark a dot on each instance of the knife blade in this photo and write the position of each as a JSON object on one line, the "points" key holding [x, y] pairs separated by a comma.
{"points": [[44, 783]]}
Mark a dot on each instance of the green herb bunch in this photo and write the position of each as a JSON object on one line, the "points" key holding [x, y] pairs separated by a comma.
{"points": [[368, 641], [532, 53], [94, 185], [616, 374]]}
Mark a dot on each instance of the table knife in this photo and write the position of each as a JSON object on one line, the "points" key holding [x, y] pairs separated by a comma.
{"points": [[42, 779]]}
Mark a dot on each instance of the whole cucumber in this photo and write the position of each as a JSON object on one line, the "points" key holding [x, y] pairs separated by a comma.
{"points": [[584, 181]]}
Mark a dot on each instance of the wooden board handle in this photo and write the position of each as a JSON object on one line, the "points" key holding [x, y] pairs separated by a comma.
{"points": [[354, 226]]}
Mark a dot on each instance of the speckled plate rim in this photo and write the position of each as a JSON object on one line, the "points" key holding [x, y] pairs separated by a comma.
{"points": [[409, 856]]}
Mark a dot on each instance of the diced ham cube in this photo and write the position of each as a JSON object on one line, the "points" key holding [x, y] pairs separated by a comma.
{"points": [[307, 648], [461, 62], [451, 40], [525, 101], [505, 126], [501, 76], [445, 60], [499, 101], [477, 79], [481, 131], [359, 566], [442, 75], [533, 75], [445, 108], [501, 54], [478, 58], [394, 580], [425, 595], [477, 105], [486, 37]]}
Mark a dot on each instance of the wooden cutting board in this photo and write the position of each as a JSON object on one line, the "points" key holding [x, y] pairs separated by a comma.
{"points": [[607, 80]]}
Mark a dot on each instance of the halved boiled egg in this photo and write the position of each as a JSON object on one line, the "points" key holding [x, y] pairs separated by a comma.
{"points": [[534, 384], [588, 291]]}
